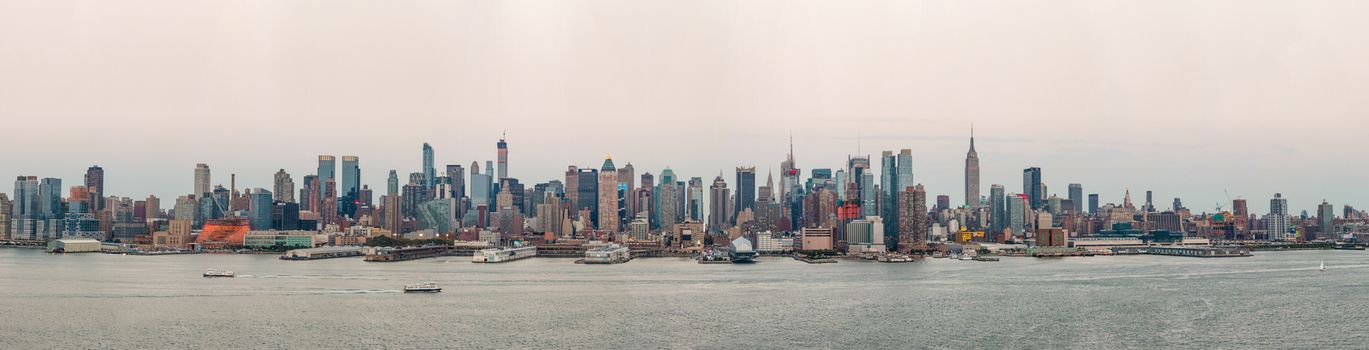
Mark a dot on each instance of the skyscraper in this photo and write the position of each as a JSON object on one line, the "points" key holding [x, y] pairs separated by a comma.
{"points": [[260, 209], [456, 174], [429, 173], [6, 206], [1240, 211], [626, 178], [971, 175], [24, 208], [201, 179], [1150, 201], [95, 184], [839, 181], [790, 189], [869, 203], [50, 211], [608, 197], [587, 192], [889, 187], [695, 199], [905, 168], [1077, 197], [284, 187], [327, 169], [503, 155], [351, 176], [717, 205], [998, 209], [667, 199], [912, 215], [746, 190], [392, 183], [309, 196], [1031, 187], [480, 187], [1276, 224], [1326, 220], [1093, 203], [1017, 211]]}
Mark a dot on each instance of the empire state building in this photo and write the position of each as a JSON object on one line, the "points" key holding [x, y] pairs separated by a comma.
{"points": [[972, 175]]}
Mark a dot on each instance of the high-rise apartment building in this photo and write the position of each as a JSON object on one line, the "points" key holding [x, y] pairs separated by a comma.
{"points": [[1276, 224], [201, 179], [1326, 221], [609, 215], [718, 216], [503, 156], [429, 172], [912, 216], [95, 185], [284, 187], [1016, 205]]}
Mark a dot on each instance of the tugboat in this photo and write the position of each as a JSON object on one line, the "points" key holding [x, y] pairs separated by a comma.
{"points": [[422, 288], [212, 273]]}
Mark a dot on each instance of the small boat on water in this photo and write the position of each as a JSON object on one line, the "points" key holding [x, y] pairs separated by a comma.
{"points": [[1323, 265], [422, 288], [213, 273]]}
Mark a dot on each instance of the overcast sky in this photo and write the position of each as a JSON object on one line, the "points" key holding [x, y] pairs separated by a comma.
{"points": [[1187, 98]]}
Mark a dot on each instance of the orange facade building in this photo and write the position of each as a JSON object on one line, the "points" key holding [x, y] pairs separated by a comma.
{"points": [[229, 231]]}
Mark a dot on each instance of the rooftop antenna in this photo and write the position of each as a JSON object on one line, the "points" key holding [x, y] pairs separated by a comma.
{"points": [[857, 143]]}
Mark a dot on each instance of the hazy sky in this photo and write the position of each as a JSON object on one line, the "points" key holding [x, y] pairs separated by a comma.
{"points": [[1182, 97]]}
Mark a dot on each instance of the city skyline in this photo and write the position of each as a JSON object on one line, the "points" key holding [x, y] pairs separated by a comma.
{"points": [[693, 174], [376, 178]]}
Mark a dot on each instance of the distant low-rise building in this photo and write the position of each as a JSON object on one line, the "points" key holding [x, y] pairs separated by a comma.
{"points": [[281, 239], [816, 238], [74, 245]]}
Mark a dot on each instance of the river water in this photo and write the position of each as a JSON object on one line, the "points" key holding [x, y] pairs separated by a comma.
{"points": [[1271, 300]]}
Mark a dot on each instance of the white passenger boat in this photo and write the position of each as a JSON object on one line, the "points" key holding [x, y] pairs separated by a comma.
{"points": [[212, 273], [422, 288]]}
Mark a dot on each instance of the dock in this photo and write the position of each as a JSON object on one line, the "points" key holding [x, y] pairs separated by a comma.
{"points": [[500, 255], [1197, 252], [322, 253], [411, 253]]}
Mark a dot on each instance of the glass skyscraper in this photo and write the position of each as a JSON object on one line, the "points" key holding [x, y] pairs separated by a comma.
{"points": [[429, 173], [327, 168], [1031, 187], [260, 210], [351, 176], [1077, 197], [997, 209]]}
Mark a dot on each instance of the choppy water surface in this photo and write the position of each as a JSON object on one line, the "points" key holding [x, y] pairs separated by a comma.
{"points": [[1271, 300]]}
